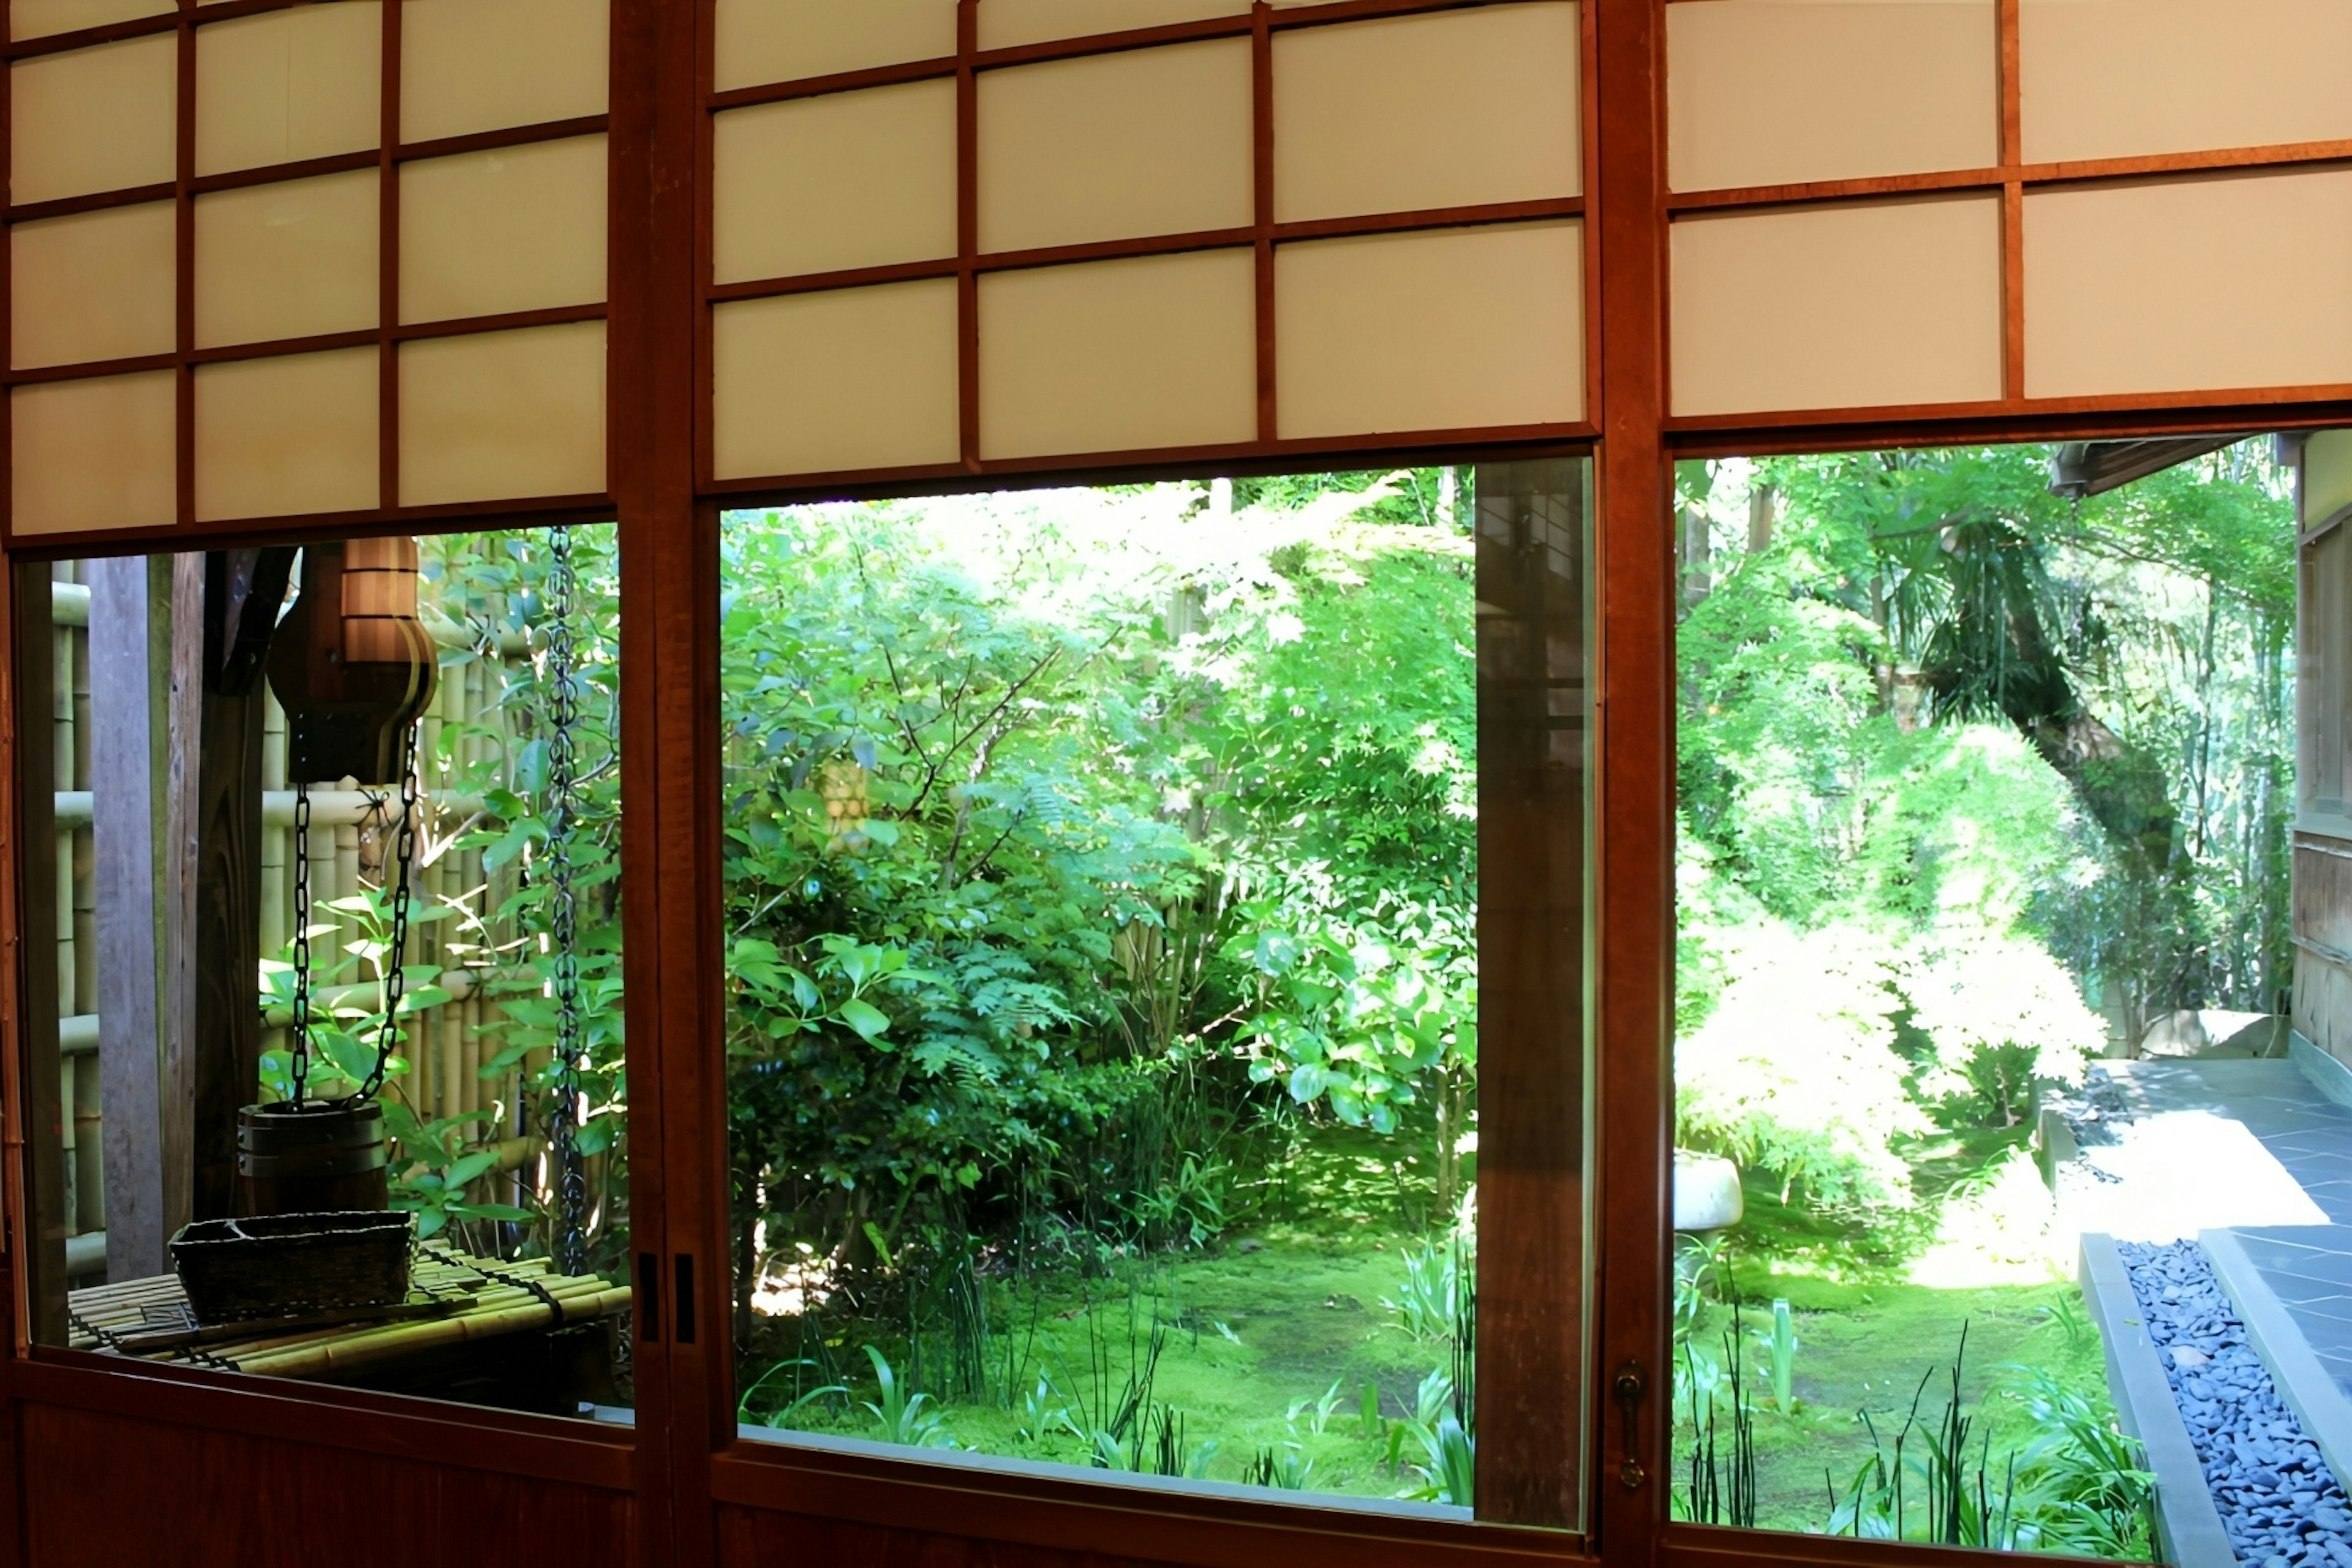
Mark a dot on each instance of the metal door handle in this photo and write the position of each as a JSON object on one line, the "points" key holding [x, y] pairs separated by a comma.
{"points": [[1632, 1386]]}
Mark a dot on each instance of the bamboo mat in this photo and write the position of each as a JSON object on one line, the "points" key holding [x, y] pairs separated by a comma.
{"points": [[470, 1297]]}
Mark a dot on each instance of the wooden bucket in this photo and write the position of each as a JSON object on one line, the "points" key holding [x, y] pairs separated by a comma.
{"points": [[327, 1155]]}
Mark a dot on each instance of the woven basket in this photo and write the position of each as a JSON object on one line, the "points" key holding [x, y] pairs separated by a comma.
{"points": [[288, 1265]]}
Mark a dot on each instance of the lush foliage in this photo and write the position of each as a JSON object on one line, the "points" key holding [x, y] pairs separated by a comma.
{"points": [[1963, 765], [1082, 850]]}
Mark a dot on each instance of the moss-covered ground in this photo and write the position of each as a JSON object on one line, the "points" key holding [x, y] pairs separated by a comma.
{"points": [[1872, 1339], [1272, 1334], [1274, 1331]]}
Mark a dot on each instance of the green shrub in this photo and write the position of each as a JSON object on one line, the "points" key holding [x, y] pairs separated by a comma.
{"points": [[1795, 1071]]}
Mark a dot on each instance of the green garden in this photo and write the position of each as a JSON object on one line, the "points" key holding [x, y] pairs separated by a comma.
{"points": [[1976, 783], [1100, 897]]}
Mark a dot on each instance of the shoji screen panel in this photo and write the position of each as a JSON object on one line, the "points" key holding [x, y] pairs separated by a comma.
{"points": [[1023, 233], [237, 239], [1853, 305], [2117, 78], [2135, 173], [1779, 92], [2240, 280]]}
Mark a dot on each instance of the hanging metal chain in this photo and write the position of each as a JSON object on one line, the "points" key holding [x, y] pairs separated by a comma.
{"points": [[297, 1058], [562, 686], [395, 960]]}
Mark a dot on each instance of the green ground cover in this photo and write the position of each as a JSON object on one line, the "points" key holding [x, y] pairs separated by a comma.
{"points": [[1283, 1358]]}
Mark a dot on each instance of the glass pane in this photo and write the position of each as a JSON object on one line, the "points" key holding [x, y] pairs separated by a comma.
{"points": [[276, 1150], [1996, 1056], [1103, 877]]}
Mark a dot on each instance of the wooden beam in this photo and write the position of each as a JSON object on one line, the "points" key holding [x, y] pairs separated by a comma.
{"points": [[122, 783]]}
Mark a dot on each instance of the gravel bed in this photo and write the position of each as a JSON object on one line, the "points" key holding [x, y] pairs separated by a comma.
{"points": [[2280, 1504]]}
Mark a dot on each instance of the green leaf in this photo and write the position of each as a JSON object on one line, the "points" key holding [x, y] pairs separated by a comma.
{"points": [[471, 1166], [869, 1020]]}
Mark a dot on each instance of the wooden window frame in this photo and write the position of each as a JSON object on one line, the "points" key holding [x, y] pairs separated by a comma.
{"points": [[691, 1495]]}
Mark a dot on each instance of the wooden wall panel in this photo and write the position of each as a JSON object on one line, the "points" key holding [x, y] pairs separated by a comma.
{"points": [[756, 1538], [208, 1498], [2323, 934]]}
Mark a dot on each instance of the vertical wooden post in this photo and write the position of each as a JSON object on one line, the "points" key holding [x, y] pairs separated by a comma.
{"points": [[35, 1071], [182, 832], [224, 1005], [122, 784], [1633, 776]]}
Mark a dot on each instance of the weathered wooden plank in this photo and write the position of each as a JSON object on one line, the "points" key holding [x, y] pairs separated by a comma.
{"points": [[123, 781], [182, 817]]}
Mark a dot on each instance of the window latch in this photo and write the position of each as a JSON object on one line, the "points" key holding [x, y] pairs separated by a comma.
{"points": [[1632, 1386]]}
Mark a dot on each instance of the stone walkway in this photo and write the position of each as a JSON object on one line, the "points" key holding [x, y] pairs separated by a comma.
{"points": [[2207, 1145]]}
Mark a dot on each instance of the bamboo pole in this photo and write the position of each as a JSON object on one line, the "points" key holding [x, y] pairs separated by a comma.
{"points": [[470, 1017], [68, 1132], [89, 1147]]}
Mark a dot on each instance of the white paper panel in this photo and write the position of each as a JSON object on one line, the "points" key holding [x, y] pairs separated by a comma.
{"points": [[97, 285], [1769, 93], [851, 179], [41, 18], [287, 436], [1501, 307], [784, 40], [515, 228], [93, 120], [288, 259], [1116, 146], [484, 65], [1116, 356], [1409, 113], [1005, 23], [2108, 79], [849, 379], [2222, 282], [287, 85], [2327, 476], [1857, 305], [500, 415], [95, 454]]}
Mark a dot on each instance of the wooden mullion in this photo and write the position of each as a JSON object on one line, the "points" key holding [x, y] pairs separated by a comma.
{"points": [[706, 243], [1268, 235], [62, 206], [658, 391], [2012, 203], [184, 267], [387, 304], [1631, 742], [968, 233], [504, 136], [1269, 422], [7, 486]]}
